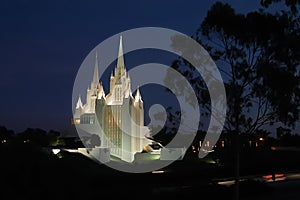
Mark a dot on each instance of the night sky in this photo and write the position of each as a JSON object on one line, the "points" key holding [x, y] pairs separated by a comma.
{"points": [[43, 43]]}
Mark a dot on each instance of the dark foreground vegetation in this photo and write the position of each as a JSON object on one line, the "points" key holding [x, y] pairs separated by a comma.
{"points": [[29, 170]]}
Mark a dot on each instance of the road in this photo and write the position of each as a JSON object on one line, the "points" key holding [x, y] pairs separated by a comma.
{"points": [[286, 186], [288, 189]]}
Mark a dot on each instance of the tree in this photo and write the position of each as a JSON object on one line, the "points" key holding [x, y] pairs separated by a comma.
{"points": [[5, 135], [92, 141], [54, 138], [36, 137], [95, 140], [258, 54], [292, 4], [259, 57]]}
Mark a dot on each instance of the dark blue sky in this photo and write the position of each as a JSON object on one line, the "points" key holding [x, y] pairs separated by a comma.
{"points": [[42, 45]]}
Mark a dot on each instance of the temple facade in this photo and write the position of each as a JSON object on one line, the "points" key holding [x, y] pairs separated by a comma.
{"points": [[118, 117]]}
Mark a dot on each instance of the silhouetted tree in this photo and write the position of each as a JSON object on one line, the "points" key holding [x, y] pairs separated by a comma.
{"points": [[91, 141], [258, 54], [55, 139], [40, 137], [35, 136], [5, 133], [166, 133], [293, 4], [95, 140]]}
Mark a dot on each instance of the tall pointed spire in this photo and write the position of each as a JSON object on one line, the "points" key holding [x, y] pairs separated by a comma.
{"points": [[138, 95], [120, 54], [79, 103], [101, 93], [96, 73]]}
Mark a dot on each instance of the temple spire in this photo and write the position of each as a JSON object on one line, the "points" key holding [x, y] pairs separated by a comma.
{"points": [[138, 95], [101, 93], [120, 62], [96, 73], [79, 103]]}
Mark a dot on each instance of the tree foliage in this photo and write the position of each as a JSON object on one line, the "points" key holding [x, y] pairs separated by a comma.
{"points": [[258, 54], [292, 4]]}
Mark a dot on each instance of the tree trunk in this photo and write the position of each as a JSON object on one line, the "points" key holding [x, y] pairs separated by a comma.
{"points": [[237, 166], [237, 111]]}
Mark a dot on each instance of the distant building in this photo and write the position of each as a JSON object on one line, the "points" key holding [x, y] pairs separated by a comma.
{"points": [[119, 114]]}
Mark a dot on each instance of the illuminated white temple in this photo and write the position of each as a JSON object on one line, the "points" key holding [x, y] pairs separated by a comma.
{"points": [[119, 114]]}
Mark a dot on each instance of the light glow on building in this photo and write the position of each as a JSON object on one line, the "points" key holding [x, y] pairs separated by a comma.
{"points": [[119, 113]]}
